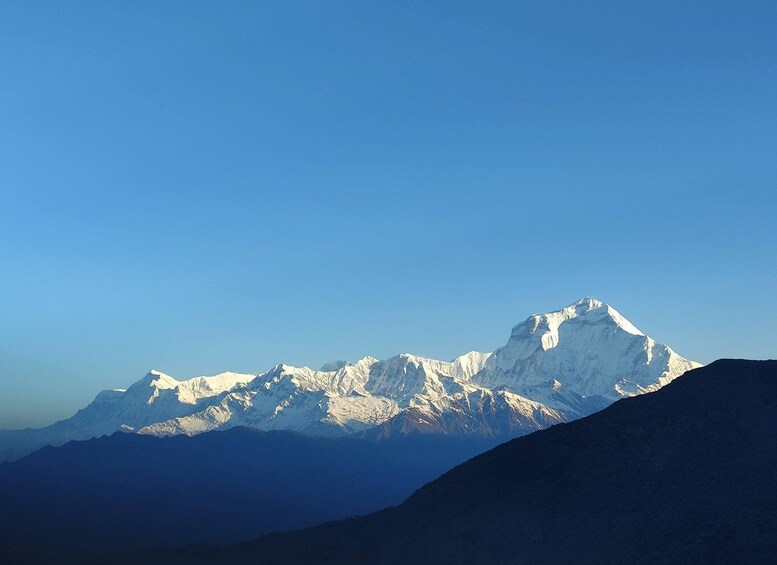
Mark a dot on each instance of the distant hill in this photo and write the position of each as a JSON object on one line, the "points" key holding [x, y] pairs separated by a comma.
{"points": [[129, 491], [683, 475]]}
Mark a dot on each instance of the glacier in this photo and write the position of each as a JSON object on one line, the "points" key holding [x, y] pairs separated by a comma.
{"points": [[555, 367]]}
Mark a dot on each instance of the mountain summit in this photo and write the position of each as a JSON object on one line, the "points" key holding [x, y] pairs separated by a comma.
{"points": [[555, 367], [588, 347]]}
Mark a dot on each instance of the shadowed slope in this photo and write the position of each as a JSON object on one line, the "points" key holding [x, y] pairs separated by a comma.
{"points": [[129, 491]]}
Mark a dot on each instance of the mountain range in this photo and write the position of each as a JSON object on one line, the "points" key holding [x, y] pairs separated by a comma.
{"points": [[555, 367], [683, 475]]}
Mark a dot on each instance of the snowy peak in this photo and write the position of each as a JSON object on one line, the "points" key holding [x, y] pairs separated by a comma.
{"points": [[157, 384], [584, 311], [545, 331], [588, 347], [158, 379], [595, 310]]}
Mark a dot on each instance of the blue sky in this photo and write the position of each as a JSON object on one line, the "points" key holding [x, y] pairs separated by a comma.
{"points": [[199, 187]]}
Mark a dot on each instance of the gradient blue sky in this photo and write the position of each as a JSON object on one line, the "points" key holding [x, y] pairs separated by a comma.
{"points": [[200, 187]]}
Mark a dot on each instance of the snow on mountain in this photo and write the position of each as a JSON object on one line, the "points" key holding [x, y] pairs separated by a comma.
{"points": [[587, 349], [349, 399], [555, 367], [155, 397]]}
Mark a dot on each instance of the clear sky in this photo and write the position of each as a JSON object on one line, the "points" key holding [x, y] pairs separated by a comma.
{"points": [[200, 187]]}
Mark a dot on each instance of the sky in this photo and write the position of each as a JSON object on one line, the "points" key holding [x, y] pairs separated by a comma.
{"points": [[207, 186]]}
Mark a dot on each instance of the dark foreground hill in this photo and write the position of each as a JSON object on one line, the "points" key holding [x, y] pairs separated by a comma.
{"points": [[129, 491], [687, 474]]}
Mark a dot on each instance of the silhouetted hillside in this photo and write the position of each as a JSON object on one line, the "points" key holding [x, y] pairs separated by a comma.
{"points": [[686, 474], [130, 491]]}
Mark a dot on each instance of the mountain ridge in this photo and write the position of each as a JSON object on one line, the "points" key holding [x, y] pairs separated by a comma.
{"points": [[554, 368]]}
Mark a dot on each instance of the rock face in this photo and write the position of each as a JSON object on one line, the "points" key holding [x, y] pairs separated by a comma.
{"points": [[556, 367]]}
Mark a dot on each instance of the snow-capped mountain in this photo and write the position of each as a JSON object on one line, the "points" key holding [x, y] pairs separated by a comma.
{"points": [[555, 367]]}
